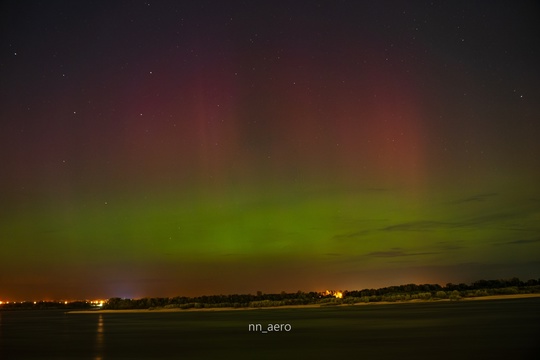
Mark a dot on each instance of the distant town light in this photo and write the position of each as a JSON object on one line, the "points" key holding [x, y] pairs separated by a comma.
{"points": [[336, 294]]}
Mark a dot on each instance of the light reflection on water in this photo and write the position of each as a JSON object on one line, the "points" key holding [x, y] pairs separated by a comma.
{"points": [[99, 339], [506, 329]]}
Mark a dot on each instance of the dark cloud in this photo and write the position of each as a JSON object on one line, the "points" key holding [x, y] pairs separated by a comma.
{"points": [[393, 253], [428, 225], [419, 226], [397, 253], [523, 242], [475, 198], [497, 217]]}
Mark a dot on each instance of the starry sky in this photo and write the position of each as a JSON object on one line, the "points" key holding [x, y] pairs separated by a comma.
{"points": [[167, 148]]}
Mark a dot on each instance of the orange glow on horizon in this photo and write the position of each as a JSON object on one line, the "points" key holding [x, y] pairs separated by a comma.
{"points": [[336, 294]]}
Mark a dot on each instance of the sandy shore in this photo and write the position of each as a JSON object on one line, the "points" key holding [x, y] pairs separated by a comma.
{"points": [[489, 297], [131, 311], [503, 297]]}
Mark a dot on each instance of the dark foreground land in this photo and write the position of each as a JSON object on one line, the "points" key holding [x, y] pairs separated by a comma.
{"points": [[497, 329]]}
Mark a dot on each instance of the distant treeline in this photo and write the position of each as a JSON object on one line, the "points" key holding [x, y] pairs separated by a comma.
{"points": [[392, 293]]}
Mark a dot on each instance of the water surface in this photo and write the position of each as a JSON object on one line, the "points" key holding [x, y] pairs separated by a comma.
{"points": [[496, 329]]}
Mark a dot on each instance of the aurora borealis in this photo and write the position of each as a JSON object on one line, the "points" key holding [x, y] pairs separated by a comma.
{"points": [[168, 148]]}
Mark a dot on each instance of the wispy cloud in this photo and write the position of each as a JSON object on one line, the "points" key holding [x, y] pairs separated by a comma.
{"points": [[428, 225], [397, 253], [475, 198], [419, 226], [523, 242], [451, 247], [350, 235]]}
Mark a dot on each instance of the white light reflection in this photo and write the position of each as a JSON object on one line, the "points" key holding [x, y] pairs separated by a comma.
{"points": [[99, 339]]}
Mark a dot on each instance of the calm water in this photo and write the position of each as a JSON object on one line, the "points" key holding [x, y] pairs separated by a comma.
{"points": [[506, 329]]}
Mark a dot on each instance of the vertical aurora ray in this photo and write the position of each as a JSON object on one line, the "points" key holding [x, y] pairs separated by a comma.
{"points": [[235, 150]]}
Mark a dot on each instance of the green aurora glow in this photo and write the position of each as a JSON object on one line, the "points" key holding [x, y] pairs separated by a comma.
{"points": [[227, 165]]}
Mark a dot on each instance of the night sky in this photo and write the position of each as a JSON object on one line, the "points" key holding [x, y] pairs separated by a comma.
{"points": [[171, 148]]}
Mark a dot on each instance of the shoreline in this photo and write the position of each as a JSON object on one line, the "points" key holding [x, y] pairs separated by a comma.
{"points": [[310, 306]]}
